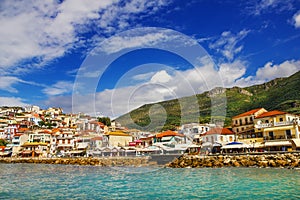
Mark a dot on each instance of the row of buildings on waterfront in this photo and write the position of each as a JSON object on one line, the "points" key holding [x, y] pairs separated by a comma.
{"points": [[31, 132]]}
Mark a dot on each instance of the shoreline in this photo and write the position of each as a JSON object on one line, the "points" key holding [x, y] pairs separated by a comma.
{"points": [[92, 161], [276, 160]]}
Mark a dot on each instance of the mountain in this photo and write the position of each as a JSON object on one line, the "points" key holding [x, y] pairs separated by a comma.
{"points": [[279, 94]]}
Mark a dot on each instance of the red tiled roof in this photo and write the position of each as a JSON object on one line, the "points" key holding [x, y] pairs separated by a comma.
{"points": [[97, 138], [222, 131], [251, 112], [168, 133], [271, 113], [23, 129]]}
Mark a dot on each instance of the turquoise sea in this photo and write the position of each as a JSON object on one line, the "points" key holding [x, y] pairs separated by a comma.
{"points": [[38, 181]]}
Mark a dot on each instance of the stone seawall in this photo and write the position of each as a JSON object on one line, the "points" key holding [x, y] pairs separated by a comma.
{"points": [[288, 160], [101, 161]]}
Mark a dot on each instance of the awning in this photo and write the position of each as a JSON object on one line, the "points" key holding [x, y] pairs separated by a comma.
{"points": [[82, 145], [278, 143], [296, 142], [207, 144], [167, 138], [75, 152], [217, 145], [278, 128], [235, 146], [196, 136]]}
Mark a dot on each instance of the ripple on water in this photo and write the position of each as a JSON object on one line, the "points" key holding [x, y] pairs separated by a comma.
{"points": [[36, 181]]}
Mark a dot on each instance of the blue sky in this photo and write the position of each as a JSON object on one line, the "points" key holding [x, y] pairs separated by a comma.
{"points": [[46, 50]]}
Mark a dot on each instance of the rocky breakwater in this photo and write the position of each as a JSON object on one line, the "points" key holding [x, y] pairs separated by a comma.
{"points": [[287, 160], [101, 161]]}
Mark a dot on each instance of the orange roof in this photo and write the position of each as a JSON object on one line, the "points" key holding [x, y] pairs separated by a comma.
{"points": [[271, 113], [23, 129], [118, 133], [168, 133], [97, 138], [18, 134], [251, 112], [54, 130], [222, 131]]}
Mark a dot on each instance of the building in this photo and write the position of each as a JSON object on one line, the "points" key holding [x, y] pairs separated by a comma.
{"points": [[243, 124], [118, 139], [278, 129], [217, 137]]}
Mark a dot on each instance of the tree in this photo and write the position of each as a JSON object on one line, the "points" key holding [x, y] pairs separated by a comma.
{"points": [[3, 142], [41, 123], [105, 120]]}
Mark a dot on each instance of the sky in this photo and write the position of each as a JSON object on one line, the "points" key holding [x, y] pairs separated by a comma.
{"points": [[107, 57]]}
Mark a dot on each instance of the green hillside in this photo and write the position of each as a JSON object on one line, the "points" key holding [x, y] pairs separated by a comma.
{"points": [[280, 94]]}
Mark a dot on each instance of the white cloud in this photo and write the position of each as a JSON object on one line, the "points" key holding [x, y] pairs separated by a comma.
{"points": [[269, 72], [296, 20], [7, 83], [59, 88], [270, 6], [118, 101], [161, 77], [12, 101], [45, 30], [143, 39], [230, 72], [142, 77], [228, 44]]}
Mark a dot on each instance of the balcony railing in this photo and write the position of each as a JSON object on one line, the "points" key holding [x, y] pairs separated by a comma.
{"points": [[268, 125]]}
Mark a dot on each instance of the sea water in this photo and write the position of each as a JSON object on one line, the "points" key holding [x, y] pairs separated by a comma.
{"points": [[41, 181]]}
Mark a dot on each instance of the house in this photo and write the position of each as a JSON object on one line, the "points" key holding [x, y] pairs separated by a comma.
{"points": [[171, 142], [170, 137], [38, 144], [96, 143], [118, 139], [17, 141], [11, 129], [278, 129], [65, 141], [195, 130], [217, 137], [243, 124]]}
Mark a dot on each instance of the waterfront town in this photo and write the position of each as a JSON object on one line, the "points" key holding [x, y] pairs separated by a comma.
{"points": [[33, 132]]}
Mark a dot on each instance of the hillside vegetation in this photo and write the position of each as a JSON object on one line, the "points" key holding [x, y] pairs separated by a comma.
{"points": [[279, 94]]}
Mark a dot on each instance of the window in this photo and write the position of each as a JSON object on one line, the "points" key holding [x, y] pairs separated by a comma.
{"points": [[230, 138], [246, 120], [241, 122], [236, 121], [288, 134], [259, 134], [281, 119], [271, 135], [267, 121], [221, 138], [237, 130]]}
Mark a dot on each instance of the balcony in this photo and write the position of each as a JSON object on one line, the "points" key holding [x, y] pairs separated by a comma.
{"points": [[65, 145], [276, 124]]}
